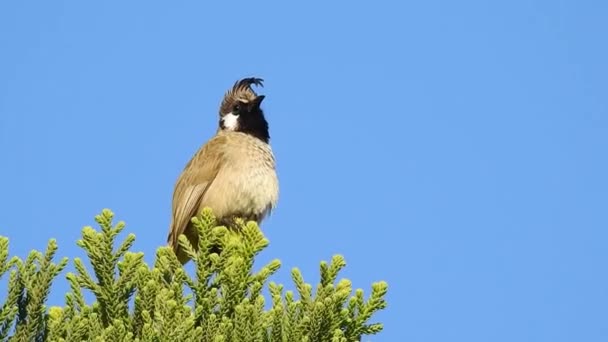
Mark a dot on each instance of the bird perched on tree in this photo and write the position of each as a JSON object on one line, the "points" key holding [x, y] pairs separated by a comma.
{"points": [[233, 173]]}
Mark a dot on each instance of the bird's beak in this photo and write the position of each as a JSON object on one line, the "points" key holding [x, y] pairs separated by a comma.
{"points": [[258, 101]]}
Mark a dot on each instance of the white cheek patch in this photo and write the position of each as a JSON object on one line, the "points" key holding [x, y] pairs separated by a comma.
{"points": [[231, 121]]}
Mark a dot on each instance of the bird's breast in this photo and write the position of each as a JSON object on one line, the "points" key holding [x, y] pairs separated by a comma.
{"points": [[247, 183]]}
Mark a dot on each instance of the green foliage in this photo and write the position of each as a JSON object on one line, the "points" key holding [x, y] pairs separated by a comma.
{"points": [[223, 301]]}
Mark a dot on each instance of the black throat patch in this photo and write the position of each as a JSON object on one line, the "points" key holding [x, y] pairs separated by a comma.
{"points": [[254, 123]]}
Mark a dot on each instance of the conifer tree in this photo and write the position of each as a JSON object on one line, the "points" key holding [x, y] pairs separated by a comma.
{"points": [[222, 301]]}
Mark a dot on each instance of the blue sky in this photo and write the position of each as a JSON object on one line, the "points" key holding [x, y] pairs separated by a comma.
{"points": [[456, 150]]}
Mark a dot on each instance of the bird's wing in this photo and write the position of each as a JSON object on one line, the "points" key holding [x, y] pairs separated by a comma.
{"points": [[192, 184]]}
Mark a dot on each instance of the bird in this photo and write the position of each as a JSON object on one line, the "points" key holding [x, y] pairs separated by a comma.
{"points": [[233, 173]]}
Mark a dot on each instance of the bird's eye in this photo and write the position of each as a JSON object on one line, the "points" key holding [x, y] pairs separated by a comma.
{"points": [[236, 109]]}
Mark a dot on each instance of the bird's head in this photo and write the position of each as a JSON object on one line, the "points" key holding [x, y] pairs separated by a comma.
{"points": [[240, 109]]}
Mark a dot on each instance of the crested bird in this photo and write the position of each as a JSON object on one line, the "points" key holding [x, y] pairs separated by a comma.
{"points": [[233, 173]]}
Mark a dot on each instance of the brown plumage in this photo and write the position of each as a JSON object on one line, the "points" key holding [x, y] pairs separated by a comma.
{"points": [[233, 173], [241, 90]]}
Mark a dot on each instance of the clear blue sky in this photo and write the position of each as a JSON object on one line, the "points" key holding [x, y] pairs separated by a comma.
{"points": [[457, 150]]}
